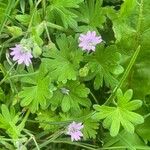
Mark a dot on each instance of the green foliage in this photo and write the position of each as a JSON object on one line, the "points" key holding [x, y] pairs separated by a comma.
{"points": [[63, 64], [85, 117], [6, 7], [64, 9], [70, 96], [15, 31], [47, 119], [39, 91], [55, 88], [90, 125], [143, 130], [9, 121], [2, 94], [125, 140], [104, 65], [121, 114], [92, 14], [131, 27]]}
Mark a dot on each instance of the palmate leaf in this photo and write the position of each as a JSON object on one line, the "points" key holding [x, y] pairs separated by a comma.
{"points": [[63, 64], [39, 91], [121, 114], [70, 96], [92, 13], [63, 9], [90, 125], [104, 65]]}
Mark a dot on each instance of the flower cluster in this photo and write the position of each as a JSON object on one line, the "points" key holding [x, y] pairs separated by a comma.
{"points": [[22, 54], [74, 131]]}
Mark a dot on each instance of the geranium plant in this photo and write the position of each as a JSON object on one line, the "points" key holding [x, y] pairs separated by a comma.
{"points": [[74, 74]]}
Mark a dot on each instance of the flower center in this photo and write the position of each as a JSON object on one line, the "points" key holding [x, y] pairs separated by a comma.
{"points": [[73, 130], [90, 42], [65, 91]]}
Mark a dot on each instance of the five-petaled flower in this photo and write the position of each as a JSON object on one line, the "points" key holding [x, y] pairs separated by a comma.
{"points": [[74, 131], [21, 55], [89, 41]]}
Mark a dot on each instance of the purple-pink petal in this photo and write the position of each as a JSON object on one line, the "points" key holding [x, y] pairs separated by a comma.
{"points": [[74, 131], [89, 41], [20, 55]]}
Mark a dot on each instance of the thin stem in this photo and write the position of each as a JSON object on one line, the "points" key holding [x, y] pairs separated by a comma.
{"points": [[44, 8], [7, 13], [3, 80], [54, 26], [23, 75], [94, 97], [53, 137], [124, 77], [147, 115], [47, 32], [133, 59], [32, 17], [26, 117], [74, 143], [31, 138]]}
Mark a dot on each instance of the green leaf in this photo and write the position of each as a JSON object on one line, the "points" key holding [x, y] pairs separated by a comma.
{"points": [[143, 130], [38, 92], [125, 140], [90, 125], [101, 63], [65, 104], [70, 96], [67, 3], [63, 64], [47, 119], [121, 114], [9, 121], [15, 31], [92, 13], [24, 19], [63, 10]]}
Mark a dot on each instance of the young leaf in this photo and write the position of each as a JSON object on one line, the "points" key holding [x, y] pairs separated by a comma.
{"points": [[121, 114]]}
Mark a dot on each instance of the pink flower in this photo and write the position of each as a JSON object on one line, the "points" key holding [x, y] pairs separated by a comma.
{"points": [[89, 40], [74, 130], [21, 55]]}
